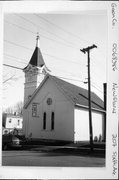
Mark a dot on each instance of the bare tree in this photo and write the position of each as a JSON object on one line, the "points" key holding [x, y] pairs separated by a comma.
{"points": [[9, 110], [19, 107], [16, 109], [3, 119]]}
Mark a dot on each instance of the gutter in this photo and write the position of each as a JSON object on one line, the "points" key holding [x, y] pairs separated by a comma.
{"points": [[86, 107]]}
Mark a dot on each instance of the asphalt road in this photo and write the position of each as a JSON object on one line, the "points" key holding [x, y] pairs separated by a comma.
{"points": [[58, 159]]}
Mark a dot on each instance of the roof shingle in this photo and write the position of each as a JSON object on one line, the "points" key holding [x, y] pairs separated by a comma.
{"points": [[37, 58], [79, 95]]}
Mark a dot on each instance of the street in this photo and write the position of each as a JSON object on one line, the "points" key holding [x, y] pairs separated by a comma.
{"points": [[50, 158]]}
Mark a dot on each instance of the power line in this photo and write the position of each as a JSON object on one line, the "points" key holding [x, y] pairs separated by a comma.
{"points": [[51, 68], [18, 45], [12, 66], [92, 84], [63, 59], [56, 76], [22, 69], [70, 79], [66, 72], [55, 68], [50, 33], [57, 35], [96, 88], [55, 57], [8, 79], [27, 29], [97, 85], [35, 33], [95, 73], [26, 63], [9, 56], [20, 27], [62, 28], [44, 29]]}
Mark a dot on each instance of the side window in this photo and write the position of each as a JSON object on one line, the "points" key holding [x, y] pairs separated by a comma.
{"points": [[52, 120], [44, 120]]}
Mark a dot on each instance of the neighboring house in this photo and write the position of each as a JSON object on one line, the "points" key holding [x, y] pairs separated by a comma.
{"points": [[12, 122], [55, 109]]}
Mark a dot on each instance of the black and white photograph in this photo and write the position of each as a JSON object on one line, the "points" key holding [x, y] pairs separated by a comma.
{"points": [[55, 88]]}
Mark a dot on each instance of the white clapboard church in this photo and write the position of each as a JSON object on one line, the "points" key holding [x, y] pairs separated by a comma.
{"points": [[55, 109]]}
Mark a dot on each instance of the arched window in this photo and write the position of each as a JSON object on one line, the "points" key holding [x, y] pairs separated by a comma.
{"points": [[44, 120], [52, 120]]}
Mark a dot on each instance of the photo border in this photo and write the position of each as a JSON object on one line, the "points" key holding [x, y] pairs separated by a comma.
{"points": [[111, 169]]}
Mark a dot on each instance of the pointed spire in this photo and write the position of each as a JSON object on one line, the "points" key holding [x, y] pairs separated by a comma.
{"points": [[37, 58], [37, 40]]}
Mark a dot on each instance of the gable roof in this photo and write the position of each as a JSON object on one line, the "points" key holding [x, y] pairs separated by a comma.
{"points": [[78, 95]]}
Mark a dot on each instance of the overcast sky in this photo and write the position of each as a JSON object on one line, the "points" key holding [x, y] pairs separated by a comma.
{"points": [[61, 38]]}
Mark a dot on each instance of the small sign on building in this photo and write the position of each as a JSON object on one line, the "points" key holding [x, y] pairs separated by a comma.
{"points": [[34, 110]]}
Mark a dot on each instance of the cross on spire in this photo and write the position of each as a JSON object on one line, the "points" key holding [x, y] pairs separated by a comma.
{"points": [[37, 40]]}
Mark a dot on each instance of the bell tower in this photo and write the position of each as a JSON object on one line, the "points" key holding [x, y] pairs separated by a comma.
{"points": [[35, 72]]}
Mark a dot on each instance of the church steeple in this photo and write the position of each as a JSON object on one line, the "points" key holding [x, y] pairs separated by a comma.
{"points": [[37, 58], [35, 72]]}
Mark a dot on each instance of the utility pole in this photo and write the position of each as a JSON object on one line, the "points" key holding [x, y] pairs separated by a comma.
{"points": [[84, 50]]}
